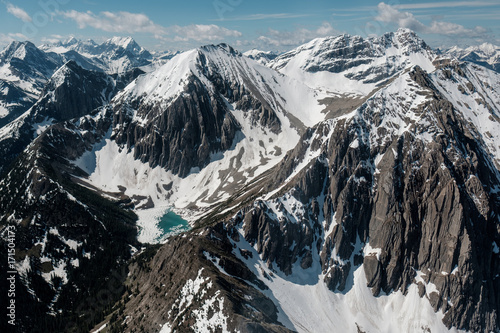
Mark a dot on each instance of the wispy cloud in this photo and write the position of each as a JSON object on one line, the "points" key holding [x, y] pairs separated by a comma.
{"points": [[18, 12], [201, 32], [52, 39], [452, 4], [390, 14], [257, 17], [125, 22], [7, 38], [491, 15], [114, 22], [277, 39]]}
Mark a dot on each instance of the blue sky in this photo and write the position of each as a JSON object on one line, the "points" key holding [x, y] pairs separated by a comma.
{"points": [[245, 24]]}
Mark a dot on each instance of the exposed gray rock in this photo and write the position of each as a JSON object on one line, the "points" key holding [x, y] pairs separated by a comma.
{"points": [[183, 135], [164, 286], [426, 206], [72, 92]]}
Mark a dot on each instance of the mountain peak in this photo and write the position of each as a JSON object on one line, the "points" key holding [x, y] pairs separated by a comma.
{"points": [[407, 40], [220, 47], [71, 41], [20, 50], [355, 62], [125, 42], [406, 31], [63, 72], [488, 48], [263, 57]]}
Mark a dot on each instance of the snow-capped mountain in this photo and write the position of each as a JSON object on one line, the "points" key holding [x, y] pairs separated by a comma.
{"points": [[70, 93], [262, 57], [24, 70], [373, 216], [116, 55], [354, 65], [486, 54], [202, 126], [350, 185]]}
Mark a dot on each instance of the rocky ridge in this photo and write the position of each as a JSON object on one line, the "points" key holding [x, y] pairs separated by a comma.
{"points": [[70, 93], [24, 70]]}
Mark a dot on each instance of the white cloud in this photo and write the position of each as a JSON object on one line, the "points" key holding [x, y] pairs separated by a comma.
{"points": [[5, 39], [276, 38], [390, 14], [256, 17], [200, 32], [452, 4], [18, 35], [125, 22], [114, 22], [18, 12], [52, 39], [8, 38]]}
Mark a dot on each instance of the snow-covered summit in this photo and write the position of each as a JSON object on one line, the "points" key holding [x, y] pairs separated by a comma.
{"points": [[25, 51], [356, 64], [125, 42], [263, 57], [118, 44], [83, 47], [486, 49], [24, 70], [215, 64], [116, 55]]}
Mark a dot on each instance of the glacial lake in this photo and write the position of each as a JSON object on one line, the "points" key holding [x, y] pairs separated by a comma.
{"points": [[171, 224]]}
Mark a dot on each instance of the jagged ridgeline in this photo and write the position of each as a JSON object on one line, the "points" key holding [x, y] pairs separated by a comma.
{"points": [[349, 185]]}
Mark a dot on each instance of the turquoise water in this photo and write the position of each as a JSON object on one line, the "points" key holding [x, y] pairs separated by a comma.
{"points": [[172, 224]]}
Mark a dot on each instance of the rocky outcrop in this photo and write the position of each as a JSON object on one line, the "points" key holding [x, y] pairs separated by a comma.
{"points": [[182, 135], [409, 210], [70, 242], [194, 281], [244, 93], [181, 132], [72, 92]]}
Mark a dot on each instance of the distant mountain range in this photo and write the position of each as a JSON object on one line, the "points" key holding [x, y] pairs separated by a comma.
{"points": [[24, 68], [486, 55], [348, 185]]}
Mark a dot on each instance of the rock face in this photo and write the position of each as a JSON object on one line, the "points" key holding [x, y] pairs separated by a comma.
{"points": [[184, 133], [196, 283], [71, 243], [407, 208], [25, 70], [71, 92]]}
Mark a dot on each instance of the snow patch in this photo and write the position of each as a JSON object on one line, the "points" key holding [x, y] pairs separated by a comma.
{"points": [[370, 251]]}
